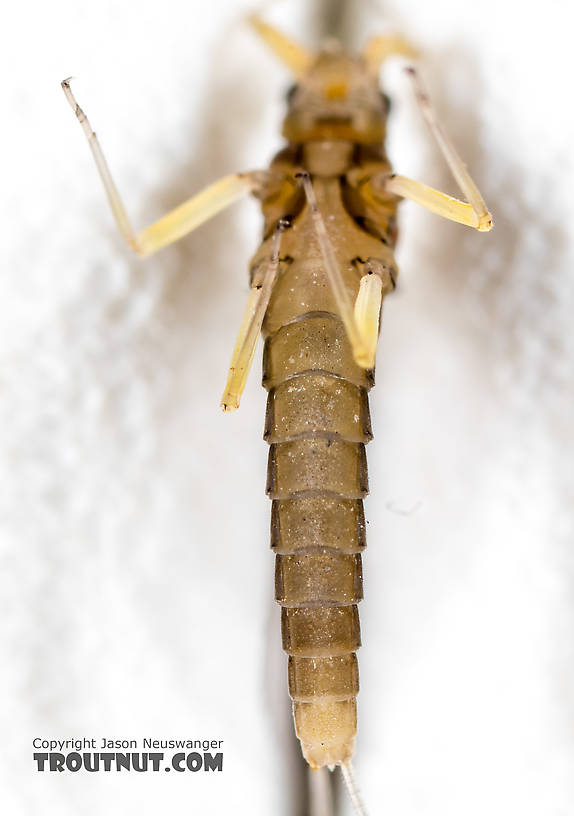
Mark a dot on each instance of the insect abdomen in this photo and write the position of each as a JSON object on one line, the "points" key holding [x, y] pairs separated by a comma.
{"points": [[317, 425]]}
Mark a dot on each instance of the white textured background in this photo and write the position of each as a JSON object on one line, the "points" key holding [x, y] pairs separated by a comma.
{"points": [[136, 584]]}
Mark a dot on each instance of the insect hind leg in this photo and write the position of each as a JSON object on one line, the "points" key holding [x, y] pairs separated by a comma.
{"points": [[257, 303], [344, 304]]}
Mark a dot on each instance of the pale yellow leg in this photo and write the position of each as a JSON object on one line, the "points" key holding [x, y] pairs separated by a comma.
{"points": [[437, 202], [472, 212], [250, 328], [182, 219], [378, 49], [293, 55], [342, 299], [367, 316]]}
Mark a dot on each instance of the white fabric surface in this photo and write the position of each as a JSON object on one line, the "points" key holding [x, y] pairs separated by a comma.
{"points": [[136, 583]]}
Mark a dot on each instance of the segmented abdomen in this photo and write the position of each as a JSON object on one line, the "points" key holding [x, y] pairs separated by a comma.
{"points": [[317, 424]]}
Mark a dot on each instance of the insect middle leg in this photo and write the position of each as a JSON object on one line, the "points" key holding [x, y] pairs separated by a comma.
{"points": [[473, 212], [180, 221]]}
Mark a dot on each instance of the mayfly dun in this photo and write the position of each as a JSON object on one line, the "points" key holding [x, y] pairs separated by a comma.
{"points": [[326, 261]]}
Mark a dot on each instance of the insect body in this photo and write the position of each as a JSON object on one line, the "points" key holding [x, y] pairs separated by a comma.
{"points": [[317, 412], [317, 282]]}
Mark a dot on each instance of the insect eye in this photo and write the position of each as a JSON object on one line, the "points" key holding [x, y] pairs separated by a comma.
{"points": [[291, 93], [386, 102]]}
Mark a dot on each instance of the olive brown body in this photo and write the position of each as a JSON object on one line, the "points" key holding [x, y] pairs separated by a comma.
{"points": [[317, 425], [326, 261]]}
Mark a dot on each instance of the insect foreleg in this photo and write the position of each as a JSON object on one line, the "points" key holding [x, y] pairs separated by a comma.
{"points": [[380, 48], [250, 328], [182, 219], [297, 58], [473, 212]]}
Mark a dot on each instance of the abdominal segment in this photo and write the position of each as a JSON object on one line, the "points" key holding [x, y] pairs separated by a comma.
{"points": [[317, 425]]}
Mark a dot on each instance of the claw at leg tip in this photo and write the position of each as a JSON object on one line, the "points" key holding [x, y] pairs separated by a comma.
{"points": [[485, 224]]}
